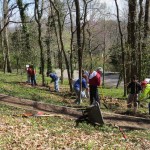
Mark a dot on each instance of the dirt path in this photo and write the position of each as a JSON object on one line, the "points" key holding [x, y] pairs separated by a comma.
{"points": [[124, 121]]}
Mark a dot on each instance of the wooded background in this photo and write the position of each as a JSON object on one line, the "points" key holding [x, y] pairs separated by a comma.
{"points": [[75, 34]]}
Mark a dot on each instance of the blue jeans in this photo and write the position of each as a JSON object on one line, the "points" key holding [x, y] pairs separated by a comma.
{"points": [[33, 80], [56, 85], [77, 91]]}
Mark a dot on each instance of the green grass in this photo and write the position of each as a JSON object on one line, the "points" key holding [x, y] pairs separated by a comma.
{"points": [[9, 84], [112, 92]]}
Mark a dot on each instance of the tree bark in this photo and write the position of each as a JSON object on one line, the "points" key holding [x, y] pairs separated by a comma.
{"points": [[48, 41], [122, 48], [132, 5], [23, 17], [38, 14], [78, 27], [7, 64], [140, 26], [62, 44]]}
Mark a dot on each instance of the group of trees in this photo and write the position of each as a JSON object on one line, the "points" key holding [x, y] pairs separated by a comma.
{"points": [[75, 34]]}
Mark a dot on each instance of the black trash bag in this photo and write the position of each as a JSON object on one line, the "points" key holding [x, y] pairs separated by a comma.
{"points": [[91, 115]]}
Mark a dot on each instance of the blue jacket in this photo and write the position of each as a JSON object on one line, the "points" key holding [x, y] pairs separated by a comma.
{"points": [[77, 83], [53, 76]]}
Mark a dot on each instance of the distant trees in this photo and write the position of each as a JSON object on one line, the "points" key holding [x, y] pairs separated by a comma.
{"points": [[66, 33], [138, 31]]}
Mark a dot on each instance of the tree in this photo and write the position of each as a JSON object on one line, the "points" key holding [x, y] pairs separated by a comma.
{"points": [[7, 64], [122, 48], [38, 12], [60, 28], [48, 42], [145, 49], [25, 32], [140, 35]]}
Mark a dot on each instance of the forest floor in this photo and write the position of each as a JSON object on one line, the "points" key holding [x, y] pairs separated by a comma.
{"points": [[57, 128], [113, 110]]}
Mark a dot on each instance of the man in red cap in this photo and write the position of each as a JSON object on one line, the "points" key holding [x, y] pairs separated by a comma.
{"points": [[94, 82]]}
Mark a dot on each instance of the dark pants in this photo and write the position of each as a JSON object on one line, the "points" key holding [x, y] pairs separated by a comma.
{"points": [[132, 98], [94, 94], [33, 80]]}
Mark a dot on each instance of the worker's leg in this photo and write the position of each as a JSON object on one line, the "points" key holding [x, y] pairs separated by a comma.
{"points": [[129, 101], [77, 91], [94, 94], [135, 99], [56, 85], [91, 94]]}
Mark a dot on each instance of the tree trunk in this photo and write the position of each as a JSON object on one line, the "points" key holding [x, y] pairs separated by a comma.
{"points": [[5, 36], [48, 38], [71, 42], [132, 5], [38, 14], [122, 49], [60, 61], [62, 44], [23, 17], [78, 27], [140, 26], [145, 51]]}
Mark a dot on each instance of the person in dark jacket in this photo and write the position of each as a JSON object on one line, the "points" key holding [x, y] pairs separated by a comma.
{"points": [[133, 89]]}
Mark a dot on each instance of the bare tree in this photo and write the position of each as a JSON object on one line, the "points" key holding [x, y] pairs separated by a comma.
{"points": [[60, 28], [140, 37], [145, 51], [22, 8], [38, 12], [122, 48], [72, 36], [60, 61], [48, 42], [132, 6], [7, 64]]}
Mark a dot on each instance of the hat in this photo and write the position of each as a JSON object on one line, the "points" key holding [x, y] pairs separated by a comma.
{"points": [[143, 83], [100, 69]]}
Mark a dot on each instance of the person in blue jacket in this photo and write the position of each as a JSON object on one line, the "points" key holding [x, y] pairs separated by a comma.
{"points": [[55, 79], [76, 88]]}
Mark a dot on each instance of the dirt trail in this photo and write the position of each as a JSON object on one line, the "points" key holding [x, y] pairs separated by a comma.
{"points": [[124, 121]]}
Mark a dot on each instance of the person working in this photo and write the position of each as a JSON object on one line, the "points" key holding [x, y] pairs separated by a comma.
{"points": [[94, 82], [133, 89], [76, 88], [55, 79]]}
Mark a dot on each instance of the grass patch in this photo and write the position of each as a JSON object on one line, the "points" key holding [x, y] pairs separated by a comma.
{"points": [[112, 92]]}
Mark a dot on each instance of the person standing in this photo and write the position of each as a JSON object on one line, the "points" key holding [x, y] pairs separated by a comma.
{"points": [[55, 79], [28, 75], [32, 73], [94, 82], [145, 94], [133, 89]]}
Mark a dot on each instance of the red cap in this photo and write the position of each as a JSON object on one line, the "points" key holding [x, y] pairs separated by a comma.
{"points": [[143, 83]]}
